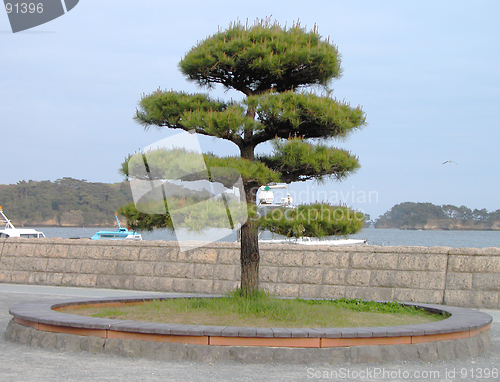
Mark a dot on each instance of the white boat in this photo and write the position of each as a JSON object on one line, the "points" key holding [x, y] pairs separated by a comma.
{"points": [[265, 201], [312, 241], [11, 231]]}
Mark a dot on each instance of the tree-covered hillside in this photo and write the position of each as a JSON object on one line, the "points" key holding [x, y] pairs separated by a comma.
{"points": [[64, 202], [411, 215]]}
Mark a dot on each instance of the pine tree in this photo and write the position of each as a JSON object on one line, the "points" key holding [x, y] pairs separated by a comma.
{"points": [[279, 70]]}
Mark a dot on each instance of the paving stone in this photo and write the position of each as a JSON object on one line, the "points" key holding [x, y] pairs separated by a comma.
{"points": [[265, 332], [67, 342], [247, 354], [213, 330], [281, 333], [201, 353], [230, 331], [365, 354], [247, 332], [299, 333], [427, 351], [391, 353], [331, 332], [445, 350]]}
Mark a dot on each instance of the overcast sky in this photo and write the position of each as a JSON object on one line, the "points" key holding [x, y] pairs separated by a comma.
{"points": [[425, 72]]}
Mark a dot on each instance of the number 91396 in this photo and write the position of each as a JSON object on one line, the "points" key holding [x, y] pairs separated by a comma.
{"points": [[24, 7]]}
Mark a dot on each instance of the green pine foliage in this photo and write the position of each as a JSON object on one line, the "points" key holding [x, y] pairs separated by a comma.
{"points": [[183, 165], [305, 114], [298, 160], [314, 220], [143, 221], [254, 59]]}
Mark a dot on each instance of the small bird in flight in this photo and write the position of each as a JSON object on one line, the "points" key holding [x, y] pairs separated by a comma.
{"points": [[449, 161]]}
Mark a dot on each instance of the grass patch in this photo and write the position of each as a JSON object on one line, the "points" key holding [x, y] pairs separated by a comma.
{"points": [[109, 313], [261, 310]]}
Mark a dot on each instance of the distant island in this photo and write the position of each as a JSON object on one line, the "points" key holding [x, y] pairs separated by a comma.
{"points": [[66, 202], [427, 216]]}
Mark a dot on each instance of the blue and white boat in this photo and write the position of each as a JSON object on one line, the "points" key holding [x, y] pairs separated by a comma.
{"points": [[120, 234]]}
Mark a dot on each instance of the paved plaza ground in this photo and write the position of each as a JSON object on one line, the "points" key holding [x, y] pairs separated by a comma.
{"points": [[25, 363]]}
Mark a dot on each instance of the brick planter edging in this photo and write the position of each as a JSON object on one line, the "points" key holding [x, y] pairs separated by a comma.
{"points": [[464, 334]]}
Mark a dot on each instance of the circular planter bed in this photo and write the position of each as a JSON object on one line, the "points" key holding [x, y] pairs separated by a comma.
{"points": [[466, 333]]}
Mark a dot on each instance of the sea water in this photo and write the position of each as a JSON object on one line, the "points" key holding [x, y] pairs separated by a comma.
{"points": [[383, 237]]}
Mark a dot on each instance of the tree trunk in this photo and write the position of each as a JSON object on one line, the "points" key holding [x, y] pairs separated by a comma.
{"points": [[249, 258], [249, 255], [247, 152]]}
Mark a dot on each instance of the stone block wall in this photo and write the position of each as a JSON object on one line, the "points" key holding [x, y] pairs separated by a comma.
{"points": [[465, 277], [473, 277]]}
